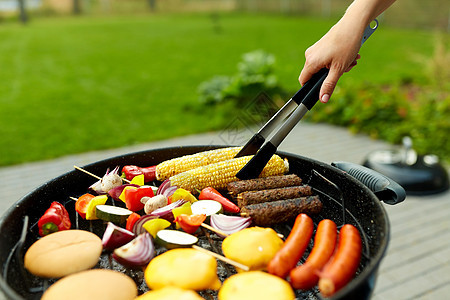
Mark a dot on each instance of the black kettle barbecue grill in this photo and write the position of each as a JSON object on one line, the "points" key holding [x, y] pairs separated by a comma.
{"points": [[345, 200]]}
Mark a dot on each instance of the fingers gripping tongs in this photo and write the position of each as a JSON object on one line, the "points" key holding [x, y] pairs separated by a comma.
{"points": [[294, 110]]}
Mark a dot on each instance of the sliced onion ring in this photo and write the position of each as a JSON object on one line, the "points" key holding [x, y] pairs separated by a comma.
{"points": [[116, 236], [117, 191], [166, 189], [138, 226], [169, 191], [166, 211], [138, 252], [165, 184], [229, 224]]}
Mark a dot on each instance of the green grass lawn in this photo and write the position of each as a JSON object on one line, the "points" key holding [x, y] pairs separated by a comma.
{"points": [[69, 85]]}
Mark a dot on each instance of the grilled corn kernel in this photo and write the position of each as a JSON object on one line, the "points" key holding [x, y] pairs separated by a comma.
{"points": [[178, 165]]}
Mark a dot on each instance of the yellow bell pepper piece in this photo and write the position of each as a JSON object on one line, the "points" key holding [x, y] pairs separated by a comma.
{"points": [[182, 194], [122, 195], [90, 211], [155, 225], [139, 180], [183, 209]]}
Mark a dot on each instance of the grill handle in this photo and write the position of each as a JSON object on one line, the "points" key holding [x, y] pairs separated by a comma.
{"points": [[383, 187]]}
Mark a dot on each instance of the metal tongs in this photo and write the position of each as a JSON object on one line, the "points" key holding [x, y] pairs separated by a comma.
{"points": [[294, 110]]}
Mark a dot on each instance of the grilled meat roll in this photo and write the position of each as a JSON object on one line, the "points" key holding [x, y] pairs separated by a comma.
{"points": [[253, 197], [266, 183], [269, 213]]}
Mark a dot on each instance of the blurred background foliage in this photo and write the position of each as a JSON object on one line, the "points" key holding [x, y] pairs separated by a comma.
{"points": [[83, 75], [428, 14]]}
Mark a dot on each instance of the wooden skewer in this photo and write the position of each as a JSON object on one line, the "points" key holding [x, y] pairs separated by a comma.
{"points": [[214, 229], [245, 215], [87, 172], [95, 176], [222, 258], [73, 198], [226, 234]]}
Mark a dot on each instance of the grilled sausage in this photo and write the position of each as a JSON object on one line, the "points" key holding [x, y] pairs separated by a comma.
{"points": [[305, 276], [265, 183], [269, 213], [293, 248], [253, 197], [344, 263]]}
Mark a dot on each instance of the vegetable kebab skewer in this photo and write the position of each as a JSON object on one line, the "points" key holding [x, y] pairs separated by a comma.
{"points": [[218, 256], [215, 230], [87, 198]]}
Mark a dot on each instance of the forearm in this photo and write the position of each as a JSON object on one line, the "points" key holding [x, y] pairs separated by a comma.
{"points": [[361, 12], [338, 49]]}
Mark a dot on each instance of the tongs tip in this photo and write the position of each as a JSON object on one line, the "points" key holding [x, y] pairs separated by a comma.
{"points": [[257, 163]]}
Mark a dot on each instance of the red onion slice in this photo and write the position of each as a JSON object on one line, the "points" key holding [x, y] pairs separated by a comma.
{"points": [[117, 191], [229, 224], [169, 191], [165, 184], [138, 226], [166, 189], [97, 187], [166, 211], [115, 236], [136, 253]]}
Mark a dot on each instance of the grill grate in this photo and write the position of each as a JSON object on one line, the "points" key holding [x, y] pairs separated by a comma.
{"points": [[329, 193]]}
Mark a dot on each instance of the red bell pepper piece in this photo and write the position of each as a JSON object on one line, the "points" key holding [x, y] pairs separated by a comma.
{"points": [[82, 204], [190, 223], [56, 218], [133, 197], [131, 220], [131, 171], [210, 193]]}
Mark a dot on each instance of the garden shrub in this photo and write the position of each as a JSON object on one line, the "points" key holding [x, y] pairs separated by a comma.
{"points": [[391, 112], [255, 75]]}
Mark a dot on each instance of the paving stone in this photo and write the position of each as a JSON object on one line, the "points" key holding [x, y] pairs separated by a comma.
{"points": [[423, 286]]}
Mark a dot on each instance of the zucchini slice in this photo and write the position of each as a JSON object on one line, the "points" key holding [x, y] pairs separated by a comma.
{"points": [[114, 214], [207, 207], [171, 239]]}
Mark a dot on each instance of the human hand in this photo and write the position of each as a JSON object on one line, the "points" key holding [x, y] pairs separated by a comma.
{"points": [[337, 50]]}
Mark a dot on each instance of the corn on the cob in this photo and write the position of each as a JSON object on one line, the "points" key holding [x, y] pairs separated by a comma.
{"points": [[218, 175], [181, 164]]}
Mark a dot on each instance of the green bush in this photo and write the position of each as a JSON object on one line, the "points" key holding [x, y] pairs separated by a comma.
{"points": [[253, 92], [255, 75], [391, 112]]}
